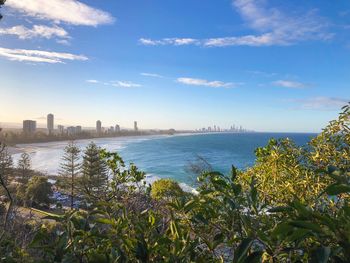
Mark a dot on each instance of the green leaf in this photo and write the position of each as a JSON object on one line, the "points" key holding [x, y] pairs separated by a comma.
{"points": [[142, 251], [336, 189], [242, 250], [189, 205], [49, 215], [233, 173], [307, 225], [282, 230], [105, 221], [299, 234], [254, 257], [280, 209], [321, 255]]}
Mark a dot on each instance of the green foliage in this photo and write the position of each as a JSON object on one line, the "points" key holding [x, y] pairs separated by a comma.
{"points": [[166, 189], [24, 168], [284, 171], [38, 191], [292, 206], [94, 181], [6, 164], [70, 169]]}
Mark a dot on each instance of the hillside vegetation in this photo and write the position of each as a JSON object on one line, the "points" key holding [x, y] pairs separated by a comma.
{"points": [[291, 206]]}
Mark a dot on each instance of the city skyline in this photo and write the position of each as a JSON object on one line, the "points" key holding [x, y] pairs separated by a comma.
{"points": [[99, 127], [268, 65]]}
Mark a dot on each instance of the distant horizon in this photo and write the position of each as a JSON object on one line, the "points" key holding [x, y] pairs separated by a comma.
{"points": [[42, 126]]}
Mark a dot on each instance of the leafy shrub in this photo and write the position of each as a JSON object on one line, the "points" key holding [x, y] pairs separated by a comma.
{"points": [[38, 191], [166, 189]]}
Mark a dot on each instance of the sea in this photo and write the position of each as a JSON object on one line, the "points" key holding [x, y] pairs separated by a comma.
{"points": [[168, 156]]}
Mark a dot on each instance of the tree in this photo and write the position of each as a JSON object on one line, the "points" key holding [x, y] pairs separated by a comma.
{"points": [[70, 168], [5, 167], [38, 191], [94, 181], [166, 189], [24, 167], [6, 163]]}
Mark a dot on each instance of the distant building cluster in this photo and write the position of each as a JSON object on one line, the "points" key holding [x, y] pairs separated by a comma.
{"points": [[30, 127], [215, 128], [112, 129]]}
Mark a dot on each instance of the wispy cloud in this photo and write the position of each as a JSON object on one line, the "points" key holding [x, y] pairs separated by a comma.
{"points": [[153, 75], [322, 103], [125, 84], [289, 84], [169, 41], [207, 83], [92, 81], [270, 25], [115, 83], [38, 56], [41, 31], [262, 73], [67, 11]]}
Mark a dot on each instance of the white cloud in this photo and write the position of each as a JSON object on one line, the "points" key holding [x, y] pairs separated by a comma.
{"points": [[124, 84], [92, 81], [271, 26], [42, 31], [151, 75], [203, 82], [289, 84], [68, 11], [115, 83], [149, 42], [169, 41], [323, 103], [38, 56], [278, 27], [63, 42]]}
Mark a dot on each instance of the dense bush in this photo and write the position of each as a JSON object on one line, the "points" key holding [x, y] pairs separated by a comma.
{"points": [[166, 189], [38, 191]]}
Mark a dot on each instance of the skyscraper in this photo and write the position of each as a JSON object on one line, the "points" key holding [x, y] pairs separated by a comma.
{"points": [[29, 126], [135, 126], [78, 129], [50, 123], [60, 129], [98, 127], [117, 128]]}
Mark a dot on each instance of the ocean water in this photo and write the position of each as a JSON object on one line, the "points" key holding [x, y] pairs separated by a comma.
{"points": [[168, 156]]}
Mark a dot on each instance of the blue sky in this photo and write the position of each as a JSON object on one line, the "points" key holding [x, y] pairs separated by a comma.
{"points": [[185, 64]]}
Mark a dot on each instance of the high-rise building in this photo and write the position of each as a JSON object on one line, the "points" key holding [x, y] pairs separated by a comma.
{"points": [[111, 129], [117, 128], [29, 126], [78, 129], [71, 130], [135, 126], [60, 129], [50, 123], [98, 127]]}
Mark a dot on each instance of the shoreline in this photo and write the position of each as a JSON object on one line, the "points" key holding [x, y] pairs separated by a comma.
{"points": [[31, 147]]}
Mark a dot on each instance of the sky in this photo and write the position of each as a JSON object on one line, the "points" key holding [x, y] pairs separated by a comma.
{"points": [[268, 65]]}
